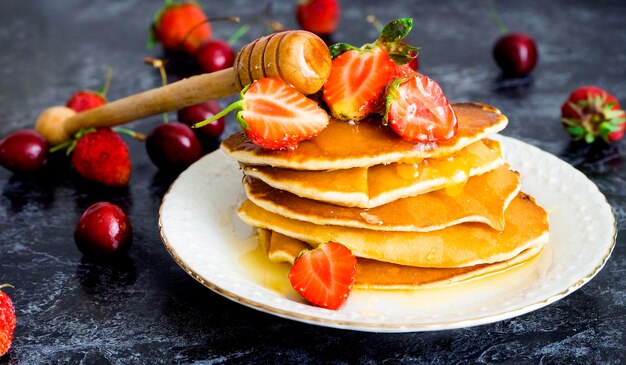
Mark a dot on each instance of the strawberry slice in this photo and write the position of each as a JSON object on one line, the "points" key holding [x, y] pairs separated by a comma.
{"points": [[275, 115], [418, 110], [357, 82], [325, 275], [358, 76]]}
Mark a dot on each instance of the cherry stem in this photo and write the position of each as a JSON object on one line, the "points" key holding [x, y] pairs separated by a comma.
{"points": [[2, 286], [236, 105], [129, 132], [238, 34], [373, 21], [107, 83], [491, 10], [160, 65]]}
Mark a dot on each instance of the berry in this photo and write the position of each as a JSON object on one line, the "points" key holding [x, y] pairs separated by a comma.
{"points": [[358, 76], [173, 146], [275, 115], [318, 16], [591, 112], [325, 275], [197, 113], [84, 100], [356, 83], [7, 321], [418, 111], [215, 55], [103, 157], [24, 151], [181, 27], [103, 230], [516, 54]]}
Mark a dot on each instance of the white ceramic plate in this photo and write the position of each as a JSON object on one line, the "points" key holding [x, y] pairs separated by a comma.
{"points": [[200, 229]]}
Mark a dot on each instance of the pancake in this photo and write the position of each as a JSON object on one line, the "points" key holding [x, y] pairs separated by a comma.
{"points": [[372, 274], [483, 199], [344, 145], [467, 244], [368, 187]]}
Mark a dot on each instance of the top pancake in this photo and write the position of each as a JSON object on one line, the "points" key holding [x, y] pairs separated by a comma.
{"points": [[344, 145]]}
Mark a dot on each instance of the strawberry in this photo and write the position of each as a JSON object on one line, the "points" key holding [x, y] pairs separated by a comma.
{"points": [[358, 76], [181, 27], [275, 115], [318, 16], [418, 110], [7, 321], [103, 157], [325, 275], [592, 112], [87, 99]]}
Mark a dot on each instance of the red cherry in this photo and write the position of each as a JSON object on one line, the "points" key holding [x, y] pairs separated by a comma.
{"points": [[173, 146], [199, 112], [215, 55], [318, 16], [24, 151], [516, 54], [103, 229]]}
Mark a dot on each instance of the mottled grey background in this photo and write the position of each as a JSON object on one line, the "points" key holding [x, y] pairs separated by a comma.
{"points": [[145, 310]]}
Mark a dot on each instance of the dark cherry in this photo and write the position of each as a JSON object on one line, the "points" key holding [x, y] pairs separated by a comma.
{"points": [[24, 151], [173, 146], [103, 230], [516, 54], [199, 112], [215, 55]]}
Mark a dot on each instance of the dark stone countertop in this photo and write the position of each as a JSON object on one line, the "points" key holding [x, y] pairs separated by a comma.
{"points": [[144, 309]]}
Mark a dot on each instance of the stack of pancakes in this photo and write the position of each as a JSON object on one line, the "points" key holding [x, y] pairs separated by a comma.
{"points": [[414, 215]]}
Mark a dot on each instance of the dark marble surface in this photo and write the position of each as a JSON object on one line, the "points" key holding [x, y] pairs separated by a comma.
{"points": [[144, 309]]}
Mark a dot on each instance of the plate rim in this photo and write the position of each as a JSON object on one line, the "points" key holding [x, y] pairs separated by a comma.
{"points": [[394, 327]]}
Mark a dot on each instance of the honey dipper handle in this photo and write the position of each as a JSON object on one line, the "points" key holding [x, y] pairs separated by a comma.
{"points": [[171, 97]]}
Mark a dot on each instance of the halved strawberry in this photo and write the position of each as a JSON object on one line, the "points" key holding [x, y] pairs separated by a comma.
{"points": [[418, 110], [356, 83], [275, 115], [358, 76], [325, 275]]}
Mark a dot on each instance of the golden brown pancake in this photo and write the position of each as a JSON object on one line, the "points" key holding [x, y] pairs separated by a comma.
{"points": [[372, 274], [368, 187], [344, 145], [466, 244], [483, 199]]}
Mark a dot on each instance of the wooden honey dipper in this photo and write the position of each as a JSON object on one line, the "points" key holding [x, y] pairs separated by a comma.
{"points": [[298, 57]]}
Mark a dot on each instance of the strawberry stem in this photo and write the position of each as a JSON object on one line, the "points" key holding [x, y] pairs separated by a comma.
{"points": [[491, 10], [61, 146], [238, 34], [236, 105], [136, 135]]}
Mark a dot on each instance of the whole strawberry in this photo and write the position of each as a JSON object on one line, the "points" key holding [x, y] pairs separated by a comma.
{"points": [[85, 99], [7, 321], [88, 99], [103, 157], [592, 112], [318, 16], [181, 27]]}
